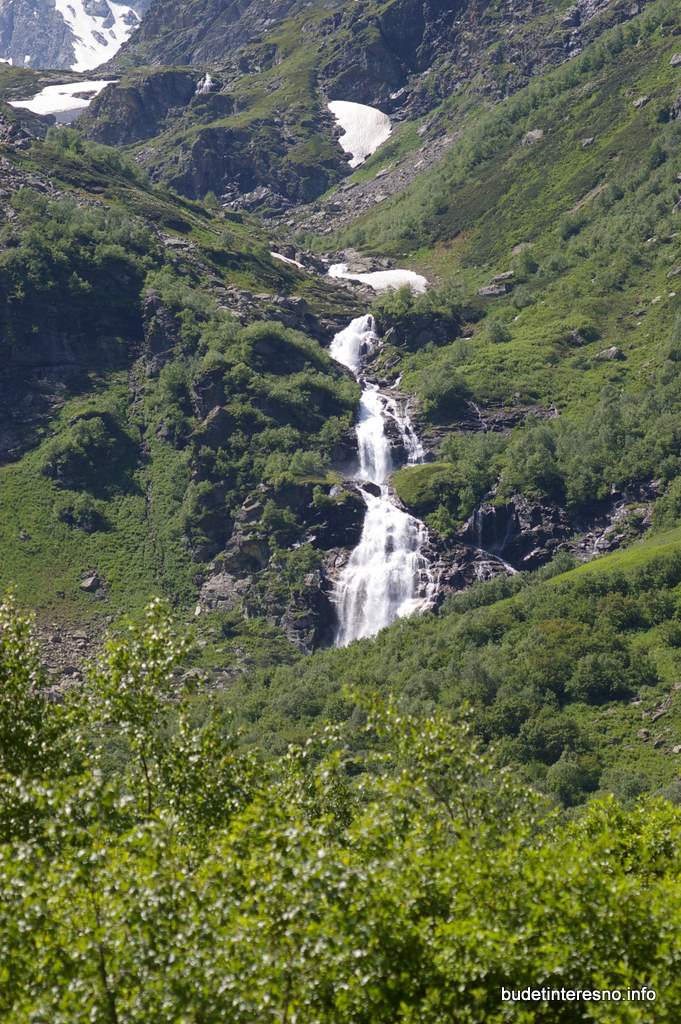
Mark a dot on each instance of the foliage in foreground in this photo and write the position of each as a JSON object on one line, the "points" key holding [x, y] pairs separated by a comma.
{"points": [[182, 881]]}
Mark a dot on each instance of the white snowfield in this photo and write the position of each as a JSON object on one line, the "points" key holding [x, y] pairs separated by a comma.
{"points": [[96, 40], [61, 99], [382, 279], [287, 259], [364, 129]]}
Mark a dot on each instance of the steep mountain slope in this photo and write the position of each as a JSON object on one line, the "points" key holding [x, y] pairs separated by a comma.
{"points": [[262, 136], [540, 200], [573, 675], [158, 406], [554, 238]]}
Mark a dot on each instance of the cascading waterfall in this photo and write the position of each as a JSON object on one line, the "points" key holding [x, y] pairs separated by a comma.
{"points": [[387, 576]]}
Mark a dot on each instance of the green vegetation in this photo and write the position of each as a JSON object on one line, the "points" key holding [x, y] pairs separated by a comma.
{"points": [[214, 827], [560, 669], [421, 487], [118, 466], [578, 348], [159, 871]]}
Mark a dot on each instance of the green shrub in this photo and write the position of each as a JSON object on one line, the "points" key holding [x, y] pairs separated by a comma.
{"points": [[497, 331], [92, 452]]}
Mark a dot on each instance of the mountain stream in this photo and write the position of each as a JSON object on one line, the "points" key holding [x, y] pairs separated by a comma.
{"points": [[388, 575]]}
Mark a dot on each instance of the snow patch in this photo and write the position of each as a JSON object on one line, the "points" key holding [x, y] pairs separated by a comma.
{"points": [[96, 40], [364, 129], [287, 259], [63, 99], [380, 280]]}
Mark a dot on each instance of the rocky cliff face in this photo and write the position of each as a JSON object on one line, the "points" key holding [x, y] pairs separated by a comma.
{"points": [[201, 32], [258, 132], [138, 109], [75, 34]]}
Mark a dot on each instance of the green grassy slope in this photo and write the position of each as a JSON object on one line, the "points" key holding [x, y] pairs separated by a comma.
{"points": [[118, 474], [563, 672], [569, 188]]}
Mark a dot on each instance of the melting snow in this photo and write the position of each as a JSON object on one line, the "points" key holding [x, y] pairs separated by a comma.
{"points": [[382, 279], [364, 129], [61, 99], [287, 259], [96, 40]]}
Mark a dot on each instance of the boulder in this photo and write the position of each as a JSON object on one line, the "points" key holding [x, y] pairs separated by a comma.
{"points": [[535, 135], [676, 60], [90, 583], [208, 391], [494, 291], [223, 591], [216, 427], [608, 354]]}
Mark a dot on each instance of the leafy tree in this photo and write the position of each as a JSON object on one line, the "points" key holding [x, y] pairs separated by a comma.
{"points": [[29, 725], [133, 692]]}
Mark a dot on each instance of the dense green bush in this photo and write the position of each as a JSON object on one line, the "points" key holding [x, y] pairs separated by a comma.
{"points": [[409, 885], [91, 452], [73, 269]]}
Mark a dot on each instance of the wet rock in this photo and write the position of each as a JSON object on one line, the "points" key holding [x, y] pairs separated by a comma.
{"points": [[457, 567], [413, 331], [309, 620], [339, 519], [522, 532]]}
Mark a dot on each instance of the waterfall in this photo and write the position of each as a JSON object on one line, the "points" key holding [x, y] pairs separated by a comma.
{"points": [[387, 576]]}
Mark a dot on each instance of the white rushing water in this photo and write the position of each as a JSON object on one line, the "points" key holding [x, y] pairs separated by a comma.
{"points": [[387, 576]]}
